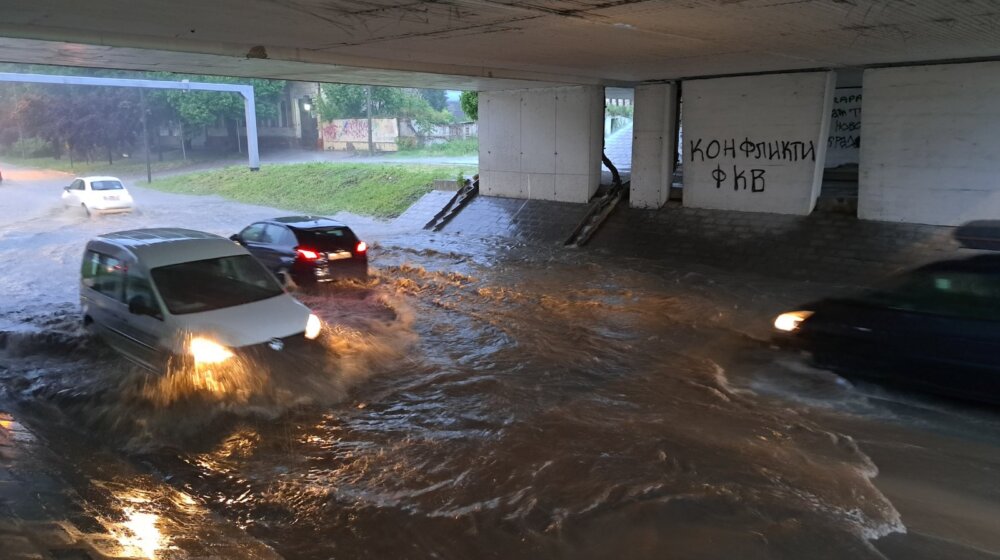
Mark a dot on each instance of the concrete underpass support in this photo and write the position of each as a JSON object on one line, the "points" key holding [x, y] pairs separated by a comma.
{"points": [[931, 147], [542, 143], [654, 144], [756, 143]]}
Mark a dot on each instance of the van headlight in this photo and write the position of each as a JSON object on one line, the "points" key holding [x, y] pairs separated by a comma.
{"points": [[313, 326], [789, 322], [207, 351]]}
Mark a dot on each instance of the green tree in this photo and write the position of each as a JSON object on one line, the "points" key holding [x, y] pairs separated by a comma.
{"points": [[203, 108], [470, 104], [90, 117], [344, 101], [437, 98]]}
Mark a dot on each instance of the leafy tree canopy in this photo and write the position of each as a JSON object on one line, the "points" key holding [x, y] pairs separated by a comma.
{"points": [[345, 101], [469, 100]]}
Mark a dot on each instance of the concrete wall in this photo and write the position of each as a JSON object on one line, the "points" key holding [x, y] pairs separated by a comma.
{"points": [[654, 144], [931, 152], [541, 143], [756, 143]]}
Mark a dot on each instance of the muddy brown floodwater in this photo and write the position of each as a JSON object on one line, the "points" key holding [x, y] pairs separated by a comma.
{"points": [[484, 399]]}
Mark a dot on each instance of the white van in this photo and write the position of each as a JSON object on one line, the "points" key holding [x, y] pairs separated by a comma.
{"points": [[169, 293]]}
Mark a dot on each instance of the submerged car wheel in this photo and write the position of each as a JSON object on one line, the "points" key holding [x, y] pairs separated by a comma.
{"points": [[86, 210]]}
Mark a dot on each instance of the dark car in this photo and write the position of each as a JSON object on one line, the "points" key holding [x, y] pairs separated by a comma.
{"points": [[306, 249], [936, 328]]}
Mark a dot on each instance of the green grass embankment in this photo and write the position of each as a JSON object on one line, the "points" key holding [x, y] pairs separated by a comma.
{"points": [[383, 191]]}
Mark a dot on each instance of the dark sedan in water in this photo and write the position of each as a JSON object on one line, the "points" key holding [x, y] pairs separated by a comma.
{"points": [[936, 329], [306, 250]]}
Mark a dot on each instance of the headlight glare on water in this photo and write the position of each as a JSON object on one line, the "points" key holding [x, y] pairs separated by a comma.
{"points": [[207, 351], [313, 326], [789, 322]]}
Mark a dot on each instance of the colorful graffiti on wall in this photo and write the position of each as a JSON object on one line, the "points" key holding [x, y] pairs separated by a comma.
{"points": [[346, 134]]}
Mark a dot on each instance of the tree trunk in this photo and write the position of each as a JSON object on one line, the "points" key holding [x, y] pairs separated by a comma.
{"points": [[111, 161]]}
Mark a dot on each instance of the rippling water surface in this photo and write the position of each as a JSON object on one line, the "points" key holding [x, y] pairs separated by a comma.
{"points": [[483, 399]]}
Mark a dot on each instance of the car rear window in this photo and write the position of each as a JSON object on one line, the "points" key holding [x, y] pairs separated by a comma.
{"points": [[328, 239], [210, 284], [106, 185]]}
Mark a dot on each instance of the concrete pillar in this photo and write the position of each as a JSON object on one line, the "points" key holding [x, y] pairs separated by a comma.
{"points": [[541, 143], [756, 143], [931, 150], [654, 144]]}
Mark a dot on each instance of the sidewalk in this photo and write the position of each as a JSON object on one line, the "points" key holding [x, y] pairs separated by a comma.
{"points": [[101, 510]]}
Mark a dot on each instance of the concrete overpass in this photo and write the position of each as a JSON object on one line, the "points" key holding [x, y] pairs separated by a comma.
{"points": [[757, 79]]}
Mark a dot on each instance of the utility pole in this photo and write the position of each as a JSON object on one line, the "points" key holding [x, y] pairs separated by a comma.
{"points": [[20, 128], [239, 143], [145, 136], [184, 154], [371, 145]]}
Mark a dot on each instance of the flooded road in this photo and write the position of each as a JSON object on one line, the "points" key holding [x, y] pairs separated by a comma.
{"points": [[486, 399]]}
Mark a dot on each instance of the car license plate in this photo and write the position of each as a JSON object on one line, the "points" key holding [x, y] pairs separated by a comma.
{"points": [[338, 255], [112, 197]]}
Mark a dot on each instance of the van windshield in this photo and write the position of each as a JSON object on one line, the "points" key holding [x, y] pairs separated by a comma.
{"points": [[197, 286]]}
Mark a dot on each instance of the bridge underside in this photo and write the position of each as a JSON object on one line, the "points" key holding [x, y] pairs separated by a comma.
{"points": [[481, 44]]}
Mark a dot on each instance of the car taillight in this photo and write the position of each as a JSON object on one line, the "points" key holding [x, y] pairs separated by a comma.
{"points": [[307, 254], [361, 247]]}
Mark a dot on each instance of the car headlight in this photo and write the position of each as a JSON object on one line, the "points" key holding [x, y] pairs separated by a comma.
{"points": [[207, 351], [789, 322], [313, 326]]}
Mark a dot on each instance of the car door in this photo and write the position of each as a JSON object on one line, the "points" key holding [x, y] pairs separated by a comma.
{"points": [[71, 195], [142, 329], [86, 193], [252, 237], [103, 279], [953, 332], [281, 248]]}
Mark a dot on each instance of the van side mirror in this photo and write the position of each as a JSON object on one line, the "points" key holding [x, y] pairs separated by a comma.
{"points": [[139, 305], [66, 189]]}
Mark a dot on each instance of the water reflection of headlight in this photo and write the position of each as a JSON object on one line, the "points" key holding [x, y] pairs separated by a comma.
{"points": [[313, 326], [206, 351], [789, 322], [141, 533]]}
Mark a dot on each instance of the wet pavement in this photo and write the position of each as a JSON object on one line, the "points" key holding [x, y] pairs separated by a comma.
{"points": [[486, 397]]}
